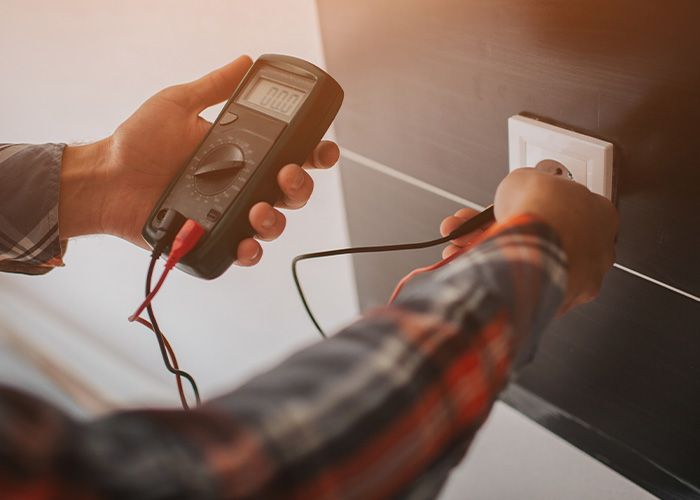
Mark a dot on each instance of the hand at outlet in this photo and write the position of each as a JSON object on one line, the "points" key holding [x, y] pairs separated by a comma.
{"points": [[112, 185], [586, 222]]}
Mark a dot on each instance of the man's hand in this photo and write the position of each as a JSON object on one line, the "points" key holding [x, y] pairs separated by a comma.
{"points": [[111, 186], [585, 222]]}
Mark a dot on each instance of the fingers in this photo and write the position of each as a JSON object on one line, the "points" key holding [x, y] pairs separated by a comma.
{"points": [[452, 222], [295, 183], [267, 222], [249, 253], [450, 250], [325, 155], [296, 186], [216, 86]]}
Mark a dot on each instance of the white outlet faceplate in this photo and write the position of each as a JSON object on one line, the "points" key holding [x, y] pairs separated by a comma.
{"points": [[589, 160]]}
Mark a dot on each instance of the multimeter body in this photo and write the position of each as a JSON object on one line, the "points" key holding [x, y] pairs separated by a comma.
{"points": [[277, 115]]}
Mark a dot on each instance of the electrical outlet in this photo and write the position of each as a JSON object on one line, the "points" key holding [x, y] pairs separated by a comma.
{"points": [[589, 160]]}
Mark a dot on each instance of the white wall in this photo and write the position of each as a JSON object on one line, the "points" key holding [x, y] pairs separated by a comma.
{"points": [[71, 71]]}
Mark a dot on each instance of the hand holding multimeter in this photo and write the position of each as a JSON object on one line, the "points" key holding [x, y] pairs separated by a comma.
{"points": [[275, 117], [129, 170]]}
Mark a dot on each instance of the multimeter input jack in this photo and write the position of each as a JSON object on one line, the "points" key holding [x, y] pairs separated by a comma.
{"points": [[166, 224]]}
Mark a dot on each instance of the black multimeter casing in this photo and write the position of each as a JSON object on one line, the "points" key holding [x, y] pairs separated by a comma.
{"points": [[261, 142]]}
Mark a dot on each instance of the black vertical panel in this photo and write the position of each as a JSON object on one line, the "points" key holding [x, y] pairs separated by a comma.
{"points": [[429, 87]]}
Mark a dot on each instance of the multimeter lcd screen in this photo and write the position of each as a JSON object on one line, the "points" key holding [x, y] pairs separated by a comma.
{"points": [[274, 96]]}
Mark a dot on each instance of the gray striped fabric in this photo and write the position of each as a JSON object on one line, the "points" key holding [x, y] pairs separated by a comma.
{"points": [[29, 187]]}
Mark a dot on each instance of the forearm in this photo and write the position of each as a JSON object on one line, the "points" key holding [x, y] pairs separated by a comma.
{"points": [[50, 193], [387, 405]]}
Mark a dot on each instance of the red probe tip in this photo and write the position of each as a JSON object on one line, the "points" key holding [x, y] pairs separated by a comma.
{"points": [[187, 237]]}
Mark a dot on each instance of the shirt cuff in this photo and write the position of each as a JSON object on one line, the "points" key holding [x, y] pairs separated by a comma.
{"points": [[29, 189]]}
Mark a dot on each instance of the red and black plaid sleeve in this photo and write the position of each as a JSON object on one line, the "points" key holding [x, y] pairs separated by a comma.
{"points": [[383, 409]]}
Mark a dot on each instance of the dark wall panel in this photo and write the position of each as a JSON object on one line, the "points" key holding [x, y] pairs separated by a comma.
{"points": [[392, 213], [429, 87]]}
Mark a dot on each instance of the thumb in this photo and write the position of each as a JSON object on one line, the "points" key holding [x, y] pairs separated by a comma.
{"points": [[216, 86]]}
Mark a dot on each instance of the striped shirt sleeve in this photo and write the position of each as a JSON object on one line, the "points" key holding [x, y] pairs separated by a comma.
{"points": [[383, 409], [29, 190]]}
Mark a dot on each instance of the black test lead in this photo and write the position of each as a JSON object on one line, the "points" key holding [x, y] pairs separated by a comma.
{"points": [[480, 220]]}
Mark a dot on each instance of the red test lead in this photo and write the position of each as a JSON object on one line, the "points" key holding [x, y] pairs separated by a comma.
{"points": [[185, 240]]}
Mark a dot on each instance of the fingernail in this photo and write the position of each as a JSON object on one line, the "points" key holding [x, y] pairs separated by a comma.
{"points": [[255, 255], [323, 156], [298, 180], [269, 221]]}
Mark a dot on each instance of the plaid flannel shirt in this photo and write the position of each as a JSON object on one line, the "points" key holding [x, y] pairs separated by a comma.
{"points": [[383, 409]]}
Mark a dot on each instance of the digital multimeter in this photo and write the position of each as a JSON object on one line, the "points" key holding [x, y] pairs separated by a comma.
{"points": [[277, 115]]}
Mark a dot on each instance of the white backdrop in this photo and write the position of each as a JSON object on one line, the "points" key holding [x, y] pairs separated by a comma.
{"points": [[71, 71]]}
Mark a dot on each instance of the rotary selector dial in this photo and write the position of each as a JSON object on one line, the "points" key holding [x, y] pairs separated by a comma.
{"points": [[218, 169]]}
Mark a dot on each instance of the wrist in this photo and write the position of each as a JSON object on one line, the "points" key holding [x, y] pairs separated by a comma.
{"points": [[82, 190]]}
